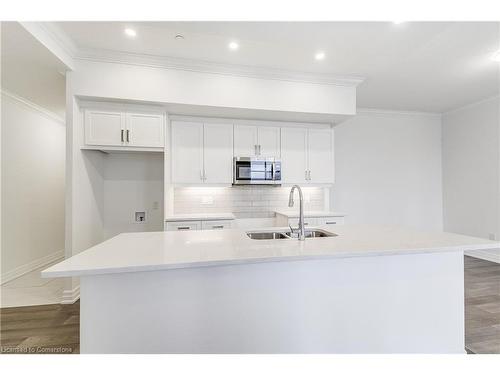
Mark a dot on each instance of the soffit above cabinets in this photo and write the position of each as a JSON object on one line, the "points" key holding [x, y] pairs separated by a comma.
{"points": [[218, 113]]}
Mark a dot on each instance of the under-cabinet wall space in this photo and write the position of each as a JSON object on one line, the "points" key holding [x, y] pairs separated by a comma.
{"points": [[133, 193]]}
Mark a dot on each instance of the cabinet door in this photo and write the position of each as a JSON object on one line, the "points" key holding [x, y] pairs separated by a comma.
{"points": [[293, 155], [144, 130], [245, 140], [320, 156], [308, 221], [334, 220], [216, 224], [184, 225], [104, 128], [218, 153], [268, 141], [187, 152]]}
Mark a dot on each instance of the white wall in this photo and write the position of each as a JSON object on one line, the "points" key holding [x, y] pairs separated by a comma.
{"points": [[133, 182], [388, 169], [471, 170], [33, 162]]}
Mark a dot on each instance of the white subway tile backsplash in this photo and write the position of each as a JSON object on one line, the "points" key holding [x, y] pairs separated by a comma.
{"points": [[243, 201]]}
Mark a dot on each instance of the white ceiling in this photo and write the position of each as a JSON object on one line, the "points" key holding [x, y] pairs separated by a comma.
{"points": [[30, 70], [422, 66]]}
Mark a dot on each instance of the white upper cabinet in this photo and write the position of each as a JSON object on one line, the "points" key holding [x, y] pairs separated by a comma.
{"points": [[294, 155], [187, 152], [124, 129], [245, 140], [268, 141], [320, 156], [144, 130], [256, 141], [201, 153], [104, 128], [218, 153], [307, 156]]}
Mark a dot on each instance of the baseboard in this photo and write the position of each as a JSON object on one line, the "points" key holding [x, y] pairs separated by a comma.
{"points": [[70, 296], [31, 266], [485, 255]]}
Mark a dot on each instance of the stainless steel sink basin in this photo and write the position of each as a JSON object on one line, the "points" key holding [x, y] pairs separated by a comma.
{"points": [[267, 235], [271, 235], [312, 233]]}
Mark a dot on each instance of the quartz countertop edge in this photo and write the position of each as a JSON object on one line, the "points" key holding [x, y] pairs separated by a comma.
{"points": [[156, 251], [200, 216]]}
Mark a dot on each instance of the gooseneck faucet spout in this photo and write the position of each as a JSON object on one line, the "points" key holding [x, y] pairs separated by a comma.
{"points": [[302, 231]]}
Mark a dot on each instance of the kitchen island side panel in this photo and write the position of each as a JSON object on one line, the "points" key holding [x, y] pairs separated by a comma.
{"points": [[382, 304]]}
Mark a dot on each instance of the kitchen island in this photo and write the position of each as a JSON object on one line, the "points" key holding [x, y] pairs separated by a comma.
{"points": [[369, 289]]}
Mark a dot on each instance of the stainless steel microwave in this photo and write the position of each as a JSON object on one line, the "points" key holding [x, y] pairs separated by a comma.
{"points": [[256, 171]]}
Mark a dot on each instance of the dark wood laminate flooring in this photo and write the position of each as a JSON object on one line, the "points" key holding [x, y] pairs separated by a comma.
{"points": [[56, 328], [482, 306], [47, 329]]}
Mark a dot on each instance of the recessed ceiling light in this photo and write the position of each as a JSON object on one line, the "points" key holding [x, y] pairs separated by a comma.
{"points": [[130, 32], [179, 37], [496, 56], [398, 22], [319, 56], [233, 46]]}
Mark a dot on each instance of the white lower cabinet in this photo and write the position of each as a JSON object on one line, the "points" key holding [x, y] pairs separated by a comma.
{"points": [[283, 220], [198, 225], [336, 220], [216, 224], [184, 225]]}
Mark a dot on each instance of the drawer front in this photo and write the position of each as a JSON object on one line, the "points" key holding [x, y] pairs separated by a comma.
{"points": [[216, 224], [184, 225], [308, 221], [338, 220]]}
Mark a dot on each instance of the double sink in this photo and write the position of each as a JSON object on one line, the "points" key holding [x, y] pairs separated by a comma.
{"points": [[288, 235]]}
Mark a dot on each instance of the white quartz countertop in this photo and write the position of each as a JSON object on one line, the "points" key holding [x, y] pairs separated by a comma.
{"points": [[151, 251], [193, 217], [295, 213]]}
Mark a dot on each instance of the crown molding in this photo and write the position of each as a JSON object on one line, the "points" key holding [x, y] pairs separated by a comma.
{"points": [[54, 39], [58, 37], [100, 55], [49, 114], [471, 105], [395, 112]]}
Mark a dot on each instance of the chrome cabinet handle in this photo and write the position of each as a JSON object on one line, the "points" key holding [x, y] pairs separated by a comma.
{"points": [[218, 227], [309, 175], [204, 175], [331, 222], [255, 150], [128, 135], [183, 228], [306, 174], [259, 150], [121, 134]]}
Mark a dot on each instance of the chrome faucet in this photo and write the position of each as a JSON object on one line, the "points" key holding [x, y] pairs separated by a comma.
{"points": [[302, 231]]}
